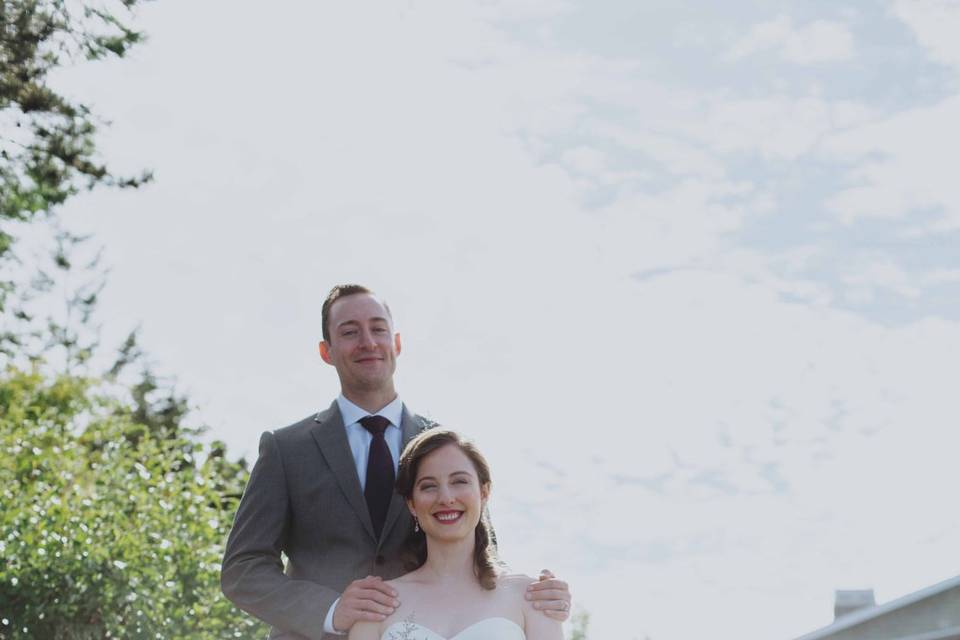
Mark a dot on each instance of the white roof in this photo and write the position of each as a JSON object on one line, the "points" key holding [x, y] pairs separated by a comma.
{"points": [[857, 617]]}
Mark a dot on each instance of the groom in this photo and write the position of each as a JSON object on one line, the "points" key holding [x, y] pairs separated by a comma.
{"points": [[321, 494]]}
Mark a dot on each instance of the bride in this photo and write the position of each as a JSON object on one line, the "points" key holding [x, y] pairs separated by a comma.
{"points": [[454, 591]]}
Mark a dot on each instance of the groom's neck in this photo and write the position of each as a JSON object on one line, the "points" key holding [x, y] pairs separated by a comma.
{"points": [[370, 401]]}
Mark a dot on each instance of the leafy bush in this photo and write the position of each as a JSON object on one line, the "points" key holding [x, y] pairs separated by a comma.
{"points": [[579, 624], [108, 528]]}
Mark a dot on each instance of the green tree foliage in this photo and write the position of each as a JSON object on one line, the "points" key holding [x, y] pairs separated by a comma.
{"points": [[112, 514], [52, 310], [579, 623], [47, 141], [108, 528]]}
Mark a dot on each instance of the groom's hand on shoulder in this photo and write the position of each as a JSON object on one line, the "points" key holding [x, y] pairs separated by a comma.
{"points": [[551, 596], [369, 599]]}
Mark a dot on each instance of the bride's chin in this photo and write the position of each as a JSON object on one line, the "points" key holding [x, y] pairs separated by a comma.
{"points": [[447, 533]]}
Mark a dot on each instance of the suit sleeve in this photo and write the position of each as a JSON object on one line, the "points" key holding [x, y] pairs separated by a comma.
{"points": [[252, 573]]}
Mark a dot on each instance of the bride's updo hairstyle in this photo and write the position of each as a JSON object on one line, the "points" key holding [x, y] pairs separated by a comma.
{"points": [[415, 551]]}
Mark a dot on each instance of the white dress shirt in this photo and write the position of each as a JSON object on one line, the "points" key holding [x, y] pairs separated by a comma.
{"points": [[359, 439]]}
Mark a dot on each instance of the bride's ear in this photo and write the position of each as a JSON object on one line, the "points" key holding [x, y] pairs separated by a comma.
{"points": [[485, 491]]}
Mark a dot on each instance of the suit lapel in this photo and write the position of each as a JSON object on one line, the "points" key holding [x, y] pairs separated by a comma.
{"points": [[331, 436], [410, 426]]}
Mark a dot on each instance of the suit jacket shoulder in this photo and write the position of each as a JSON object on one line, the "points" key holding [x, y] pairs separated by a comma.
{"points": [[302, 428]]}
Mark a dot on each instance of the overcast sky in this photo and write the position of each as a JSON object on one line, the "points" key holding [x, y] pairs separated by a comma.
{"points": [[688, 272]]}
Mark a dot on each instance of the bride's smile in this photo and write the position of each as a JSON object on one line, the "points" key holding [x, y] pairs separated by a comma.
{"points": [[448, 516]]}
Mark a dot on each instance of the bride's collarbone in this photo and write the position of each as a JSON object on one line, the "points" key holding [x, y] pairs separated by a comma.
{"points": [[448, 612], [432, 591]]}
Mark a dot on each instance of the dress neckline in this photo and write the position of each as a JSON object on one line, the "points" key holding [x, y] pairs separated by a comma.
{"points": [[405, 624]]}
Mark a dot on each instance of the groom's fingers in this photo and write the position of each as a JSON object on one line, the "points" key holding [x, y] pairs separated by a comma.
{"points": [[551, 596], [548, 595], [367, 599], [557, 609], [373, 595], [373, 588], [375, 582], [552, 585], [556, 615], [377, 601]]}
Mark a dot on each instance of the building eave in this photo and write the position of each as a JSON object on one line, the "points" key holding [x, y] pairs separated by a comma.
{"points": [[859, 617]]}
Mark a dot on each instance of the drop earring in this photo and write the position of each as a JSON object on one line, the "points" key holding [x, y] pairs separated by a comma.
{"points": [[416, 525]]}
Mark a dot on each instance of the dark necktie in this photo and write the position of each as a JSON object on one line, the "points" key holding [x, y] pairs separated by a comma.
{"points": [[380, 474]]}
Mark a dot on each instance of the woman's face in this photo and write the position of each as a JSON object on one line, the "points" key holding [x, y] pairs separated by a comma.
{"points": [[447, 495]]}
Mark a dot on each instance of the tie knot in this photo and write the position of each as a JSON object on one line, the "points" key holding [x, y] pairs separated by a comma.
{"points": [[375, 424]]}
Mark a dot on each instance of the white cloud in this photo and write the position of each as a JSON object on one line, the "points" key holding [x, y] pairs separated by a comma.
{"points": [[875, 273], [692, 137], [669, 153], [936, 24], [816, 42], [585, 160], [901, 165], [781, 127], [942, 276]]}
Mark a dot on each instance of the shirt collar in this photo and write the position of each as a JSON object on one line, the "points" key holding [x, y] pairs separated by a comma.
{"points": [[351, 413]]}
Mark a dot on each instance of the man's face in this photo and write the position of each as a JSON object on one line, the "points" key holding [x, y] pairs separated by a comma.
{"points": [[362, 346]]}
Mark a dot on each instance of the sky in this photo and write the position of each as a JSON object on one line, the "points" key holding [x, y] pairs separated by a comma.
{"points": [[687, 272]]}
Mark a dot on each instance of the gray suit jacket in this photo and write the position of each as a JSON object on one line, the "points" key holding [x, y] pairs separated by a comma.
{"points": [[304, 500]]}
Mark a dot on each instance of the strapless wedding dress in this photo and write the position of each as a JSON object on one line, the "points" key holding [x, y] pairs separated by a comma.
{"points": [[486, 629]]}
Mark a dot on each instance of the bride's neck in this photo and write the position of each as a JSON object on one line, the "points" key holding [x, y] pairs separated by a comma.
{"points": [[449, 560]]}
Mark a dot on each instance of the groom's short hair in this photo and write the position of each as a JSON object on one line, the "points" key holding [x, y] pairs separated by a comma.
{"points": [[342, 291]]}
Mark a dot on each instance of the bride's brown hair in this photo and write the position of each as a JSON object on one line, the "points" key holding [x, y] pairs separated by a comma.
{"points": [[415, 549]]}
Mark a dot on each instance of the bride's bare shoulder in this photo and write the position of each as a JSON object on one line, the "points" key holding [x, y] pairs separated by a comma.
{"points": [[407, 583]]}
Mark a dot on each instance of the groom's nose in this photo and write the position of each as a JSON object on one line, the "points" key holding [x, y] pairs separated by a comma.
{"points": [[366, 338]]}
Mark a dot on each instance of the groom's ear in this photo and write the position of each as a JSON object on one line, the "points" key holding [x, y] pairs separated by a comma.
{"points": [[396, 343], [325, 352]]}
